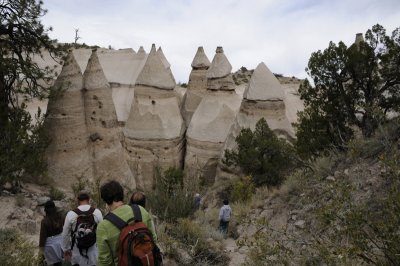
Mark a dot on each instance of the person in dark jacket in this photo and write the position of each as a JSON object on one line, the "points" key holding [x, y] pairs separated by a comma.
{"points": [[50, 235]]}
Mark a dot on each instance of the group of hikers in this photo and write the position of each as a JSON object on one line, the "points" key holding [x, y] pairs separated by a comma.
{"points": [[124, 236]]}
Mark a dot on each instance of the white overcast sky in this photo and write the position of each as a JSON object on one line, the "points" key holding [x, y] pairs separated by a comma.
{"points": [[283, 34]]}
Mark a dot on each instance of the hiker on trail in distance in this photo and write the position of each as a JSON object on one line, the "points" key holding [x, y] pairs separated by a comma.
{"points": [[224, 217], [197, 200], [108, 233], [50, 235], [79, 232]]}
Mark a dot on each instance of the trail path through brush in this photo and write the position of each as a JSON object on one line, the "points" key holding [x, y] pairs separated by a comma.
{"points": [[232, 250]]}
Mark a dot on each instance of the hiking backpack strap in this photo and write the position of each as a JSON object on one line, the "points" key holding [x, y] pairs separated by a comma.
{"points": [[115, 220], [136, 212], [119, 223], [79, 212]]}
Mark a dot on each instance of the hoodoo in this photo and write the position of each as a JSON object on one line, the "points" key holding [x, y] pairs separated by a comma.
{"points": [[109, 159], [219, 76], [263, 98], [68, 155], [212, 120], [197, 85], [154, 130], [163, 58]]}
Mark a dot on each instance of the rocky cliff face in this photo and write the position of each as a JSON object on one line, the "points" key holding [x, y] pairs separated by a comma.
{"points": [[131, 113]]}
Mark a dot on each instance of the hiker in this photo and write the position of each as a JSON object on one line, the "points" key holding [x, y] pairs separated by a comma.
{"points": [[79, 232], [224, 217], [50, 235], [111, 249], [197, 200], [138, 198]]}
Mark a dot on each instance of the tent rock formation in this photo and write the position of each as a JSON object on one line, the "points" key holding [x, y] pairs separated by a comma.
{"points": [[154, 130], [197, 85], [211, 121]]}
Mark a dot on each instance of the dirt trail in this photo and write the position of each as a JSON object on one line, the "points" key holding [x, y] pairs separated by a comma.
{"points": [[233, 252]]}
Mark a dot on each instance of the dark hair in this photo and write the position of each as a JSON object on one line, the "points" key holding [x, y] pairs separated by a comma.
{"points": [[112, 191], [83, 195], [54, 220], [50, 207], [226, 201], [138, 198]]}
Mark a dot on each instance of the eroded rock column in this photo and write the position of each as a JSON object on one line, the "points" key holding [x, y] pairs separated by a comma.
{"points": [[154, 130]]}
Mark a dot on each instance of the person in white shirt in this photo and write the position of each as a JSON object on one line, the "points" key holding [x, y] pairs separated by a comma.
{"points": [[224, 217], [78, 256]]}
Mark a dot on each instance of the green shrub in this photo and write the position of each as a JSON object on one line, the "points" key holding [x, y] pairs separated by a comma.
{"points": [[56, 194], [171, 199], [243, 189], [95, 195], [80, 184], [193, 238], [15, 250], [262, 155], [93, 187]]}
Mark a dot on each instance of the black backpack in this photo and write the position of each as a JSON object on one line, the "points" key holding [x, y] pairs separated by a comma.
{"points": [[84, 234], [136, 246]]}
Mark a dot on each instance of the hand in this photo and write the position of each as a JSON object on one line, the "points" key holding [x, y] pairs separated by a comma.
{"points": [[67, 255]]}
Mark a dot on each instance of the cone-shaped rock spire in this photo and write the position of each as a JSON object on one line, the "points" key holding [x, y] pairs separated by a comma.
{"points": [[94, 77], [212, 119], [154, 73], [68, 154], [263, 98], [200, 60], [220, 66], [263, 85], [108, 155], [141, 51], [163, 58], [154, 131], [219, 75], [197, 85]]}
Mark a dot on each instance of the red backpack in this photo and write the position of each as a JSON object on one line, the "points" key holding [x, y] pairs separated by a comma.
{"points": [[136, 246]]}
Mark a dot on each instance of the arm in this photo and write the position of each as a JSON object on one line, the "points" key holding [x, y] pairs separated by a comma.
{"points": [[221, 213], [43, 235], [148, 221], [105, 253], [66, 233], [98, 216]]}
